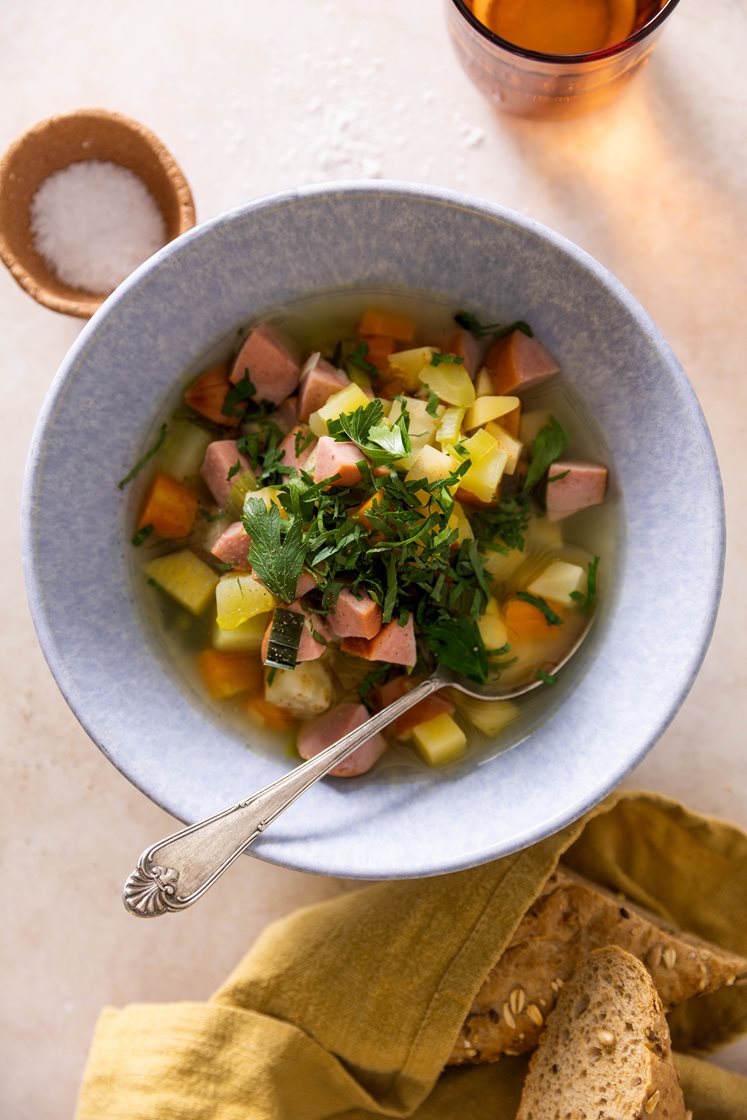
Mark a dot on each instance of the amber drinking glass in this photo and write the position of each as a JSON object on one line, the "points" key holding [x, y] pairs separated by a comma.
{"points": [[530, 80]]}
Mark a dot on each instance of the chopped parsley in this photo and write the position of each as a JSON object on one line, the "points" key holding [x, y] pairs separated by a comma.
{"points": [[261, 446], [586, 602], [432, 406], [233, 470], [382, 443], [356, 361], [546, 678], [457, 644], [472, 324], [439, 359], [141, 535], [541, 604], [547, 446], [239, 394], [146, 458]]}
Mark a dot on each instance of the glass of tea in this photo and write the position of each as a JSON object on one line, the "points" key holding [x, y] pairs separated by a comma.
{"points": [[554, 58]]}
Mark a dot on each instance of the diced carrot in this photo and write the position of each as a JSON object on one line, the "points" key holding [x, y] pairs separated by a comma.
{"points": [[269, 714], [391, 389], [469, 499], [526, 622], [207, 395], [391, 690], [510, 421], [369, 505], [379, 349], [230, 674], [170, 507], [388, 324]]}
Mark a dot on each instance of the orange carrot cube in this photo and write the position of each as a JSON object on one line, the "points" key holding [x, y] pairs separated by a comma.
{"points": [[207, 395], [264, 711], [170, 507], [388, 324], [230, 674], [526, 622]]}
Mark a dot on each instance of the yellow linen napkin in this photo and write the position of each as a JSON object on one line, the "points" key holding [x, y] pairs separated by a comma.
{"points": [[349, 1009]]}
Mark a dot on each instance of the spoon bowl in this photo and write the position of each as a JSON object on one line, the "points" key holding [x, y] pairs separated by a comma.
{"points": [[174, 873]]}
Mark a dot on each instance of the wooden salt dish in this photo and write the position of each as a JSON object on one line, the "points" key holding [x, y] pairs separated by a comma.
{"points": [[55, 143]]}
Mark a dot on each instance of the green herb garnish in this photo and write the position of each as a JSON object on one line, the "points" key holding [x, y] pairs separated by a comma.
{"points": [[277, 551], [456, 644], [233, 470], [206, 515], [382, 443], [438, 359], [433, 401], [357, 360], [240, 393], [541, 604], [142, 535], [472, 324], [370, 681], [146, 457], [547, 446], [587, 601], [546, 678]]}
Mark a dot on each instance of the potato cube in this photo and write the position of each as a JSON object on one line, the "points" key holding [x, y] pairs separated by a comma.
{"points": [[246, 638], [303, 691], [559, 582], [440, 740], [347, 400], [408, 365], [186, 578], [488, 716], [489, 408], [450, 382], [511, 446], [239, 598]]}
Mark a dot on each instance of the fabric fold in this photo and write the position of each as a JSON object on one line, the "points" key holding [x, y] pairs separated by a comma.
{"points": [[349, 1009]]}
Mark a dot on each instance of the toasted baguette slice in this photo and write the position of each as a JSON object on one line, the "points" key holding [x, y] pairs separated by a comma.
{"points": [[605, 1053], [570, 918]]}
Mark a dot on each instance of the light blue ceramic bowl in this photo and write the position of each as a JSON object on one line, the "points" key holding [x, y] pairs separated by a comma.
{"points": [[657, 617]]}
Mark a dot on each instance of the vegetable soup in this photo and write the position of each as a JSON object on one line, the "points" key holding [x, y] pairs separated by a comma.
{"points": [[341, 503]]}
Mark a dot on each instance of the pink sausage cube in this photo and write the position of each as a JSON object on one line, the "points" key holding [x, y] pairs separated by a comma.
{"points": [[393, 643], [271, 362], [297, 437], [355, 617], [319, 380], [583, 485], [326, 729], [306, 583], [333, 458], [286, 414], [221, 457], [232, 546]]}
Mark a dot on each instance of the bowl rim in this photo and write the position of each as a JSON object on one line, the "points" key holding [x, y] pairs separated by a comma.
{"points": [[458, 200]]}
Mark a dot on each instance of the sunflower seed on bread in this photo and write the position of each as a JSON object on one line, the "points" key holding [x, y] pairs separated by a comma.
{"points": [[606, 1051], [569, 919]]}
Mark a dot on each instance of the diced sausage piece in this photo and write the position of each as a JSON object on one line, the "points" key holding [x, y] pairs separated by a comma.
{"points": [[355, 618], [232, 546], [271, 362], [297, 437], [393, 643], [309, 648], [517, 362], [465, 346], [208, 393], [221, 456], [319, 380], [306, 583], [333, 458], [286, 414], [584, 485], [326, 729]]}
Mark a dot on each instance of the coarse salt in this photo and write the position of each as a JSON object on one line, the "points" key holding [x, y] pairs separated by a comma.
{"points": [[94, 222]]}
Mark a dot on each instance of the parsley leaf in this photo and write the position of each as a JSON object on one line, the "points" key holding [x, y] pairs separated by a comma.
{"points": [[546, 678], [472, 324], [587, 601], [146, 457], [381, 442], [356, 362], [456, 644], [547, 446], [541, 604], [438, 359], [243, 391], [433, 401], [141, 535], [277, 551]]}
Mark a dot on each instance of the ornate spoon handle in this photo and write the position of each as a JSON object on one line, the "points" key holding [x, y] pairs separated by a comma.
{"points": [[175, 872]]}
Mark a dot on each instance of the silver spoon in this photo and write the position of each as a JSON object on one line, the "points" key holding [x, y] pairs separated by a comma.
{"points": [[173, 873]]}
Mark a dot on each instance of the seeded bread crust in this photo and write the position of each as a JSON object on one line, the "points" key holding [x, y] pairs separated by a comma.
{"points": [[570, 919], [605, 1053]]}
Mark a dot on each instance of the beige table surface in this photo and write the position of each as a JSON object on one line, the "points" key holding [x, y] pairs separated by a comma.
{"points": [[255, 97]]}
